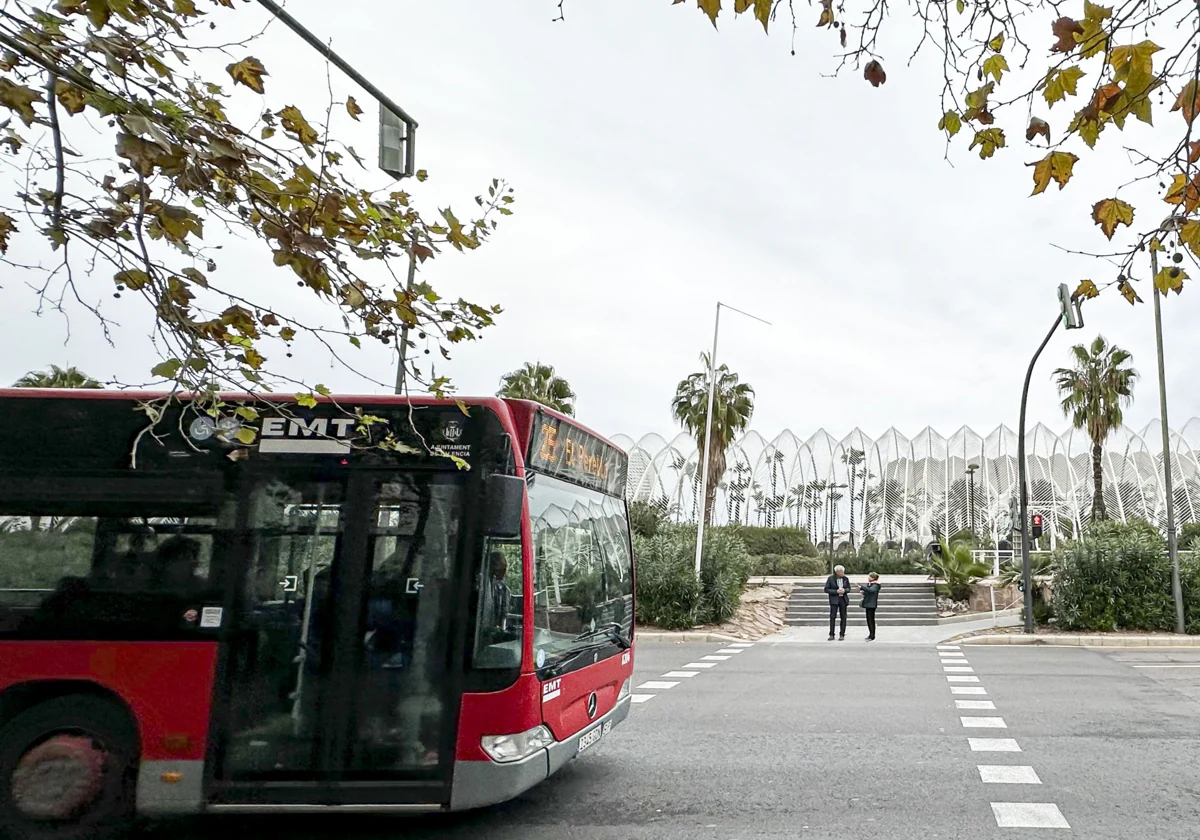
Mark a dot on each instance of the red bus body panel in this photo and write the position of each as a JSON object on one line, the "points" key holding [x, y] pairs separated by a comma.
{"points": [[167, 685]]}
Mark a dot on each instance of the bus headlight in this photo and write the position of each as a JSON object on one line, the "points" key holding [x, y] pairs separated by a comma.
{"points": [[506, 748], [624, 689]]}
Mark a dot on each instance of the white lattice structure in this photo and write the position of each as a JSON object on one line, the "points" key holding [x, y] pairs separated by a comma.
{"points": [[917, 487]]}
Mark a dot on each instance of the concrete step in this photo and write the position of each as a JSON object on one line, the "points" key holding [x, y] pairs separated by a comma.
{"points": [[926, 614], [819, 598], [861, 624]]}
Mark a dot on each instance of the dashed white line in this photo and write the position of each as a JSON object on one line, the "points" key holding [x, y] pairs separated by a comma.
{"points": [[958, 669], [641, 698], [742, 644], [701, 665], [974, 704], [981, 722], [957, 679], [949, 654], [1028, 815], [1166, 666], [948, 647], [680, 674], [714, 658], [730, 650], [1008, 774], [658, 685], [968, 689], [994, 745]]}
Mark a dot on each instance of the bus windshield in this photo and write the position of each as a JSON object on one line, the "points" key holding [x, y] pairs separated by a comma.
{"points": [[583, 577]]}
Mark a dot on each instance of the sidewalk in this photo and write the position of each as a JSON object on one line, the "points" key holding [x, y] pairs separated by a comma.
{"points": [[928, 635], [1081, 640]]}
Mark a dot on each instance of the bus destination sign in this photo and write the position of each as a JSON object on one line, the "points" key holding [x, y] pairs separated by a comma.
{"points": [[564, 451]]}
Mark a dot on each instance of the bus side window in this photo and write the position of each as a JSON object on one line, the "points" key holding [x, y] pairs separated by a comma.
{"points": [[499, 593]]}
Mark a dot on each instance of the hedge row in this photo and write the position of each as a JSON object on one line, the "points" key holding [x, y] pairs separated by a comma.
{"points": [[668, 594]]}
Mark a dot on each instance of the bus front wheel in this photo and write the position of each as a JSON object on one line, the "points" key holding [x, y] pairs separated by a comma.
{"points": [[67, 770]]}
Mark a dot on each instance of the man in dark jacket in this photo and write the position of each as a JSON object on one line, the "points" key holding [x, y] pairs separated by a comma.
{"points": [[837, 587]]}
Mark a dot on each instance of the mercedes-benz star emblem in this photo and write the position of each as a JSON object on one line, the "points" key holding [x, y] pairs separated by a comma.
{"points": [[591, 705]]}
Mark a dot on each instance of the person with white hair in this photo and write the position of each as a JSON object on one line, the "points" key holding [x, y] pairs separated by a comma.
{"points": [[837, 587]]}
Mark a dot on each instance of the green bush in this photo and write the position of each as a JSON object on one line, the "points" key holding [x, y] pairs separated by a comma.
{"points": [[668, 594], [885, 561], [1117, 577], [787, 565], [1189, 537], [957, 568], [760, 540], [645, 519], [1189, 578]]}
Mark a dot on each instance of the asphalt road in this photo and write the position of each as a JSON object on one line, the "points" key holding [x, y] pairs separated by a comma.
{"points": [[848, 740]]}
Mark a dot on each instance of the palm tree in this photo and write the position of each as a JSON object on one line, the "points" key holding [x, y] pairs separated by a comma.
{"points": [[538, 382], [57, 377], [852, 459], [733, 405], [1093, 393]]}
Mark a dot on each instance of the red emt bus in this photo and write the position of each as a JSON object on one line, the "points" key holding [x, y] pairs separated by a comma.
{"points": [[301, 608]]}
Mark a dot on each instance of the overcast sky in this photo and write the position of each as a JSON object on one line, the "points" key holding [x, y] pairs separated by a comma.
{"points": [[659, 166]]}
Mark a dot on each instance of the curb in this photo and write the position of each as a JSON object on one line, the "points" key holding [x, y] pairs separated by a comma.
{"points": [[964, 618], [684, 636], [1083, 641]]}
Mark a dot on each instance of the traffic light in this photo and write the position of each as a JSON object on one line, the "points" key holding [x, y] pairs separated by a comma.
{"points": [[1035, 526], [1071, 310]]}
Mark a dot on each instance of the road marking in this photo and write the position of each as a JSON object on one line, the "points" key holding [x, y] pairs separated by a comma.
{"points": [[971, 722], [974, 704], [1008, 774], [658, 684], [641, 698], [714, 658], [958, 669], [678, 674], [1028, 815], [955, 679], [948, 647], [994, 745], [951, 654], [730, 650], [701, 665], [968, 689], [1166, 666], [742, 644]]}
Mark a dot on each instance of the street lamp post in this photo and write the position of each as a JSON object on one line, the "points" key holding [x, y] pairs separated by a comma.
{"points": [[971, 498], [1171, 225], [702, 519]]}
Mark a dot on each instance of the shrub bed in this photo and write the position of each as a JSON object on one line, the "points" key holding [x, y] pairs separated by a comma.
{"points": [[761, 540], [668, 594], [789, 565]]}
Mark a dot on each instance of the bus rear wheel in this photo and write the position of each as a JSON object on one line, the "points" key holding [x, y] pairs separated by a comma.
{"points": [[67, 770]]}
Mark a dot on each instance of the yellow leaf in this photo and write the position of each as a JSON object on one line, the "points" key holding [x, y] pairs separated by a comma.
{"points": [[70, 97], [1111, 212], [246, 435], [1136, 58], [1058, 166], [1128, 293], [1061, 83], [1189, 235], [995, 66], [997, 43], [1093, 39], [977, 99], [1155, 245], [1184, 192], [988, 140], [1087, 289], [297, 126], [306, 400], [1188, 101], [249, 72], [1170, 279], [1093, 11], [960, 5], [950, 123], [762, 12], [20, 99], [352, 108], [712, 8], [7, 229]]}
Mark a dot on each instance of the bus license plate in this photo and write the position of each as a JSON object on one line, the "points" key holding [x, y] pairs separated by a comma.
{"points": [[589, 738]]}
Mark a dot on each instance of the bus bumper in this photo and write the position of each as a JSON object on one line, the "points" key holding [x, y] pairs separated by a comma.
{"points": [[480, 783]]}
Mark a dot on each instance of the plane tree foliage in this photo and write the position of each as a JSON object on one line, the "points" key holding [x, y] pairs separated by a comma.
{"points": [[181, 169], [1064, 78]]}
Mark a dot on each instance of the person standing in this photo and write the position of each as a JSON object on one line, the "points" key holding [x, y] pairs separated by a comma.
{"points": [[870, 601], [837, 587]]}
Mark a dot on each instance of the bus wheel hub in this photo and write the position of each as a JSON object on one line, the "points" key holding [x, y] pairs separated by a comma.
{"points": [[59, 778]]}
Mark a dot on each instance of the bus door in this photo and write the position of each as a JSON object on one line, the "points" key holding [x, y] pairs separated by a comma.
{"points": [[337, 671]]}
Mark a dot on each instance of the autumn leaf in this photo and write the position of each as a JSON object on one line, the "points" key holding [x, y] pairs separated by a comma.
{"points": [[826, 18], [1093, 39], [20, 99], [712, 8], [1188, 101], [1087, 289], [762, 10], [1061, 83], [306, 400], [1037, 126], [246, 435], [133, 278], [1189, 235], [166, 370], [7, 229], [422, 252], [950, 123], [297, 126], [1058, 166], [1065, 29], [874, 74], [1184, 192], [352, 108], [997, 43], [960, 5], [995, 66], [1170, 279], [1128, 292], [1111, 212], [988, 140], [72, 98], [249, 72]]}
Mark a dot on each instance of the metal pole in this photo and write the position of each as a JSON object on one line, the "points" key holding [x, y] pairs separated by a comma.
{"points": [[1026, 576], [1168, 483], [712, 393], [971, 490], [402, 344], [831, 530], [340, 63]]}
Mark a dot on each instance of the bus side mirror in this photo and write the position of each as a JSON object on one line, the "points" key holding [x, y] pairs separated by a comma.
{"points": [[505, 502]]}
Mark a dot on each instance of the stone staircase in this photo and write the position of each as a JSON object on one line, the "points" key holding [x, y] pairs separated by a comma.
{"points": [[908, 603]]}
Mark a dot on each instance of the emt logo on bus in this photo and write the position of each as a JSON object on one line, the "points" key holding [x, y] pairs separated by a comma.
{"points": [[293, 435]]}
